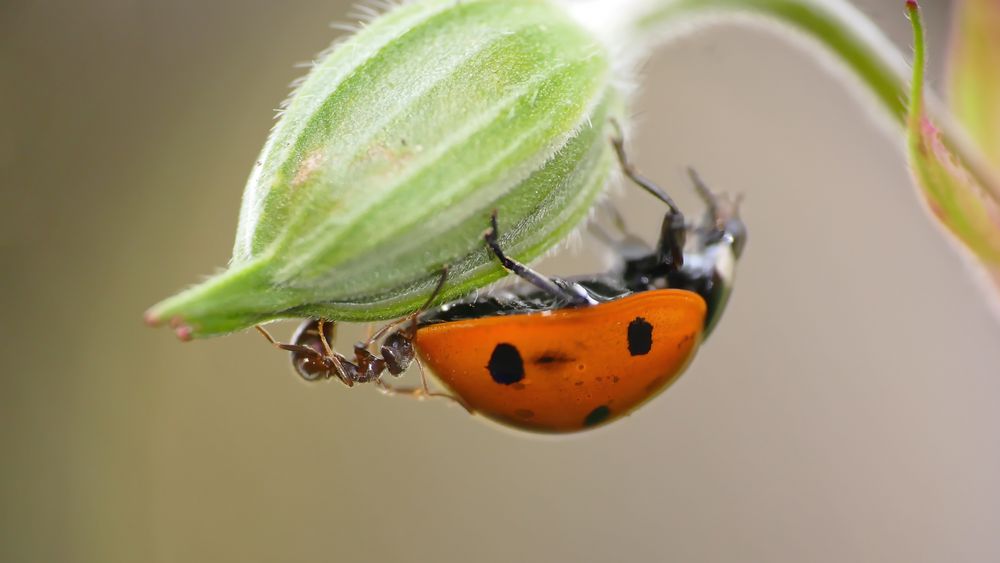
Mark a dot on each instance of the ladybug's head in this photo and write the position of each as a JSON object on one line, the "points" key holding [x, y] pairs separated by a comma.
{"points": [[710, 268], [722, 223], [726, 218]]}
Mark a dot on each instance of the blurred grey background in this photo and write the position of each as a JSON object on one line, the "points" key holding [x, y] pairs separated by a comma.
{"points": [[845, 410]]}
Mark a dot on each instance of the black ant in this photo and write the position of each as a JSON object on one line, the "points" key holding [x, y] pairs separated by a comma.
{"points": [[314, 359]]}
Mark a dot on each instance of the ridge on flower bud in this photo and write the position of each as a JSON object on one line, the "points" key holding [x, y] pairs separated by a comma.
{"points": [[393, 152]]}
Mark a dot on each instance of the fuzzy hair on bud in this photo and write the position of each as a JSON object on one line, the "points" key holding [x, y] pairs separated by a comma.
{"points": [[393, 152]]}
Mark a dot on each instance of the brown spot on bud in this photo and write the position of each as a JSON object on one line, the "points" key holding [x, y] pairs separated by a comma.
{"points": [[309, 165]]}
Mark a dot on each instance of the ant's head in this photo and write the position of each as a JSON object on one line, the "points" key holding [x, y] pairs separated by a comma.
{"points": [[397, 351]]}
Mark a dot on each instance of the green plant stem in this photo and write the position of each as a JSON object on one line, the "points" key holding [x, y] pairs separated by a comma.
{"points": [[834, 24], [919, 68]]}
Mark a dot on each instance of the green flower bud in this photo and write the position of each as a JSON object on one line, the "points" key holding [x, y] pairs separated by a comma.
{"points": [[394, 151]]}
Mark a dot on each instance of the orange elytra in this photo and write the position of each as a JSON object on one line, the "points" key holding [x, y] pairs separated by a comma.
{"points": [[570, 368]]}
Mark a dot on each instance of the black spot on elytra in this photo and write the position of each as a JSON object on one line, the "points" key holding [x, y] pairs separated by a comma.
{"points": [[597, 416], [506, 366], [640, 337]]}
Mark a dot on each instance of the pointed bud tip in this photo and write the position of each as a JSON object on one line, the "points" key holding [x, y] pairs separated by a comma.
{"points": [[151, 319], [184, 333], [912, 6]]}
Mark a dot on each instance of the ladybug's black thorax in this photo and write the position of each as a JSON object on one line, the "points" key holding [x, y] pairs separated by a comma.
{"points": [[522, 299], [704, 271]]}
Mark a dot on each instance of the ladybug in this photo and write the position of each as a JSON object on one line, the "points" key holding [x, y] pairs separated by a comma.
{"points": [[558, 355]]}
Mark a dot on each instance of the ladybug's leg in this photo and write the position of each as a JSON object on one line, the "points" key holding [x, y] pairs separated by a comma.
{"points": [[615, 217], [549, 285], [619, 232], [633, 174], [673, 231], [632, 253], [711, 200], [721, 207]]}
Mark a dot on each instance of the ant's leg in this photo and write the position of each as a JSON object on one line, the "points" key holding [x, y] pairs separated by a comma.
{"points": [[411, 329], [426, 389], [419, 393], [408, 334], [369, 337], [534, 278], [344, 369], [673, 232], [321, 324], [373, 337], [287, 347], [313, 365]]}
